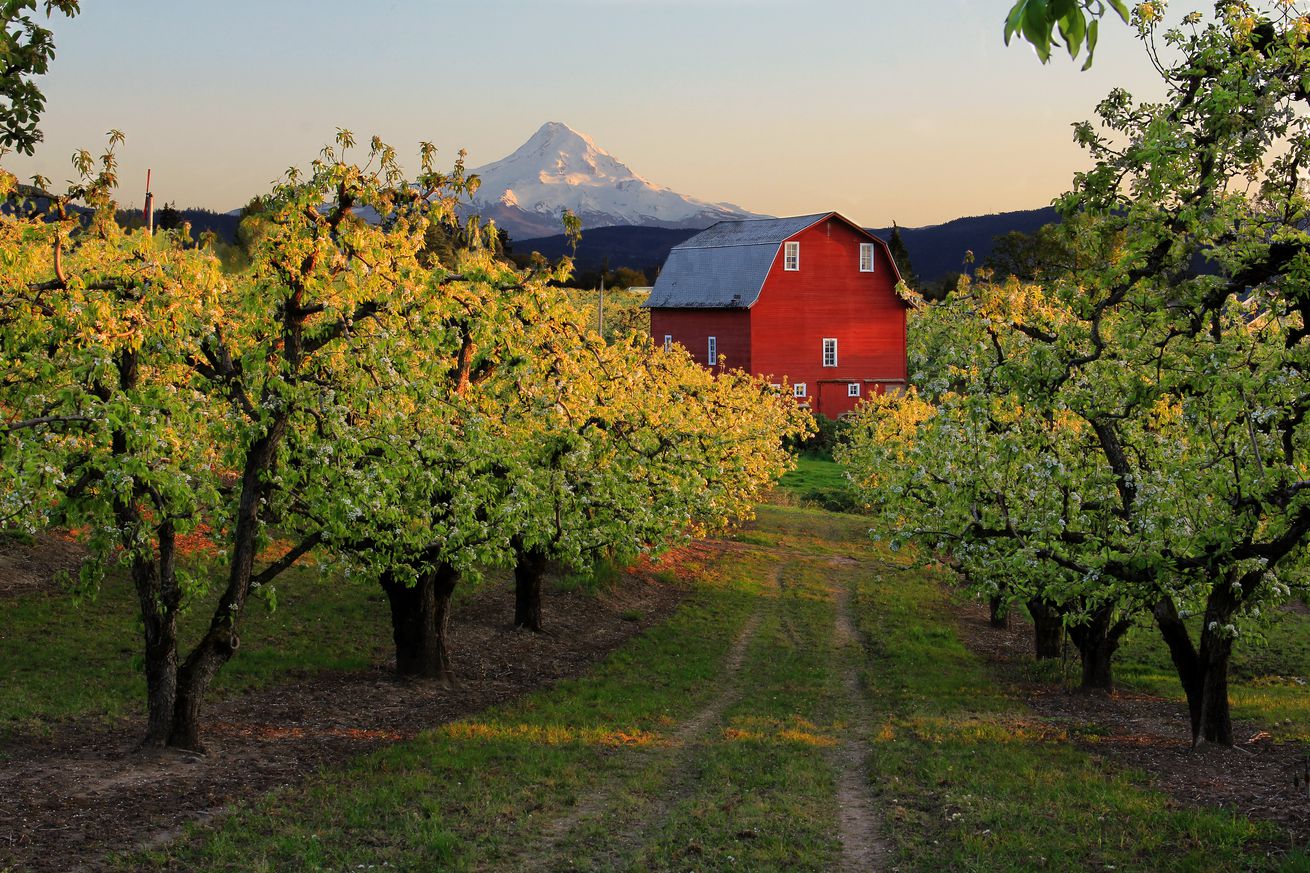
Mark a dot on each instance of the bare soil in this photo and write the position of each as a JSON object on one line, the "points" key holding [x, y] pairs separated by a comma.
{"points": [[27, 567], [1259, 778], [70, 798]]}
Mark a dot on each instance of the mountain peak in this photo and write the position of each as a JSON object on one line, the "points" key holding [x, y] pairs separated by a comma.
{"points": [[561, 168], [558, 131], [558, 152]]}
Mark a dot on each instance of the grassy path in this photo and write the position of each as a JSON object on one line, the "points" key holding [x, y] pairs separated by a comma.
{"points": [[863, 847], [665, 766], [809, 708]]}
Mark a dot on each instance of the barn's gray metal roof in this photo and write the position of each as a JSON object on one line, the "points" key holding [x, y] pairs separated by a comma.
{"points": [[724, 266]]}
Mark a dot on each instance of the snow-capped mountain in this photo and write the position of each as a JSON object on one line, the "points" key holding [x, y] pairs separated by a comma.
{"points": [[559, 168]]}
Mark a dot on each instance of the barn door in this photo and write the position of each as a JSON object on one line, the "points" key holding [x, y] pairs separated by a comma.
{"points": [[833, 399]]}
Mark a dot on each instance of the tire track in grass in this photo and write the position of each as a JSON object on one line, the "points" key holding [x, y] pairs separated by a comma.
{"points": [[860, 824], [683, 740]]}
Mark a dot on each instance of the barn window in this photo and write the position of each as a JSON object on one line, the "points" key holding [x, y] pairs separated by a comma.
{"points": [[853, 389], [866, 257], [668, 342], [712, 355], [829, 352], [798, 390], [791, 256]]}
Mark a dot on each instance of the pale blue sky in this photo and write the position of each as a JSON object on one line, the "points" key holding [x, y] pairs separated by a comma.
{"points": [[882, 110]]}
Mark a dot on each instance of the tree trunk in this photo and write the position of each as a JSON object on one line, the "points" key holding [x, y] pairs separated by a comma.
{"points": [[220, 641], [154, 577], [420, 619], [1215, 724], [1097, 639], [999, 613], [529, 568], [1048, 629], [160, 597], [1203, 674]]}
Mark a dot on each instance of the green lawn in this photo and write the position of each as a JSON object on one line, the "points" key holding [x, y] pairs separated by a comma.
{"points": [[818, 482], [1269, 673], [972, 780], [634, 768], [62, 657], [707, 743]]}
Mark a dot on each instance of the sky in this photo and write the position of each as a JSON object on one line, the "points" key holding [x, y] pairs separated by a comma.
{"points": [[914, 112]]}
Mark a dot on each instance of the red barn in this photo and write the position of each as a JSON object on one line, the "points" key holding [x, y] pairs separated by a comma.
{"points": [[810, 299]]}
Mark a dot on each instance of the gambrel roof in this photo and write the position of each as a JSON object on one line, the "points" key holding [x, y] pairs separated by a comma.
{"points": [[724, 266]]}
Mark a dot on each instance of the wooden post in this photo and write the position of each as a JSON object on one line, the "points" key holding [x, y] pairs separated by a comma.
{"points": [[149, 211]]}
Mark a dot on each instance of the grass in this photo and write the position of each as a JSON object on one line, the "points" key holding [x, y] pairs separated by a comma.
{"points": [[761, 787], [69, 658], [1268, 675], [973, 781], [479, 789], [819, 482], [603, 772]]}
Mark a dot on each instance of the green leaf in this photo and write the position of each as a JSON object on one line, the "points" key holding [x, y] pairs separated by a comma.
{"points": [[1014, 20], [1036, 28], [1063, 8], [1073, 27], [1092, 30]]}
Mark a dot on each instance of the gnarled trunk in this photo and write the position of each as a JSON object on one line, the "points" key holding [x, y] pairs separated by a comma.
{"points": [[1215, 724], [998, 612], [220, 641], [1048, 629], [159, 597], [420, 620], [1204, 673], [529, 568], [1097, 639]]}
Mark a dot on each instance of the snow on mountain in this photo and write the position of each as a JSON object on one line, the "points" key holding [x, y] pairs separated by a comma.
{"points": [[559, 168]]}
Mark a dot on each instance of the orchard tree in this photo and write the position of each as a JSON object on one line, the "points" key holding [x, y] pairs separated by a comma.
{"points": [[421, 507], [144, 395], [1190, 383], [631, 449], [1214, 173], [26, 49], [981, 471], [104, 422]]}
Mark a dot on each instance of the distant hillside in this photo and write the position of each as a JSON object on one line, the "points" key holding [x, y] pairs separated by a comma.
{"points": [[936, 250], [642, 248], [223, 224]]}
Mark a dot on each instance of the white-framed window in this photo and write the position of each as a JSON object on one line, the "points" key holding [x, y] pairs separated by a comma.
{"points": [[829, 352], [866, 257], [791, 256], [712, 352], [668, 342], [798, 390], [853, 389]]}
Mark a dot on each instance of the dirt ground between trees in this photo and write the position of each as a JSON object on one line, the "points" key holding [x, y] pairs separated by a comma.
{"points": [[1257, 778], [70, 798], [31, 566]]}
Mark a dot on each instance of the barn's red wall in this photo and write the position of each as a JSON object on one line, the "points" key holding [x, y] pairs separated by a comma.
{"points": [[829, 297], [692, 329]]}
